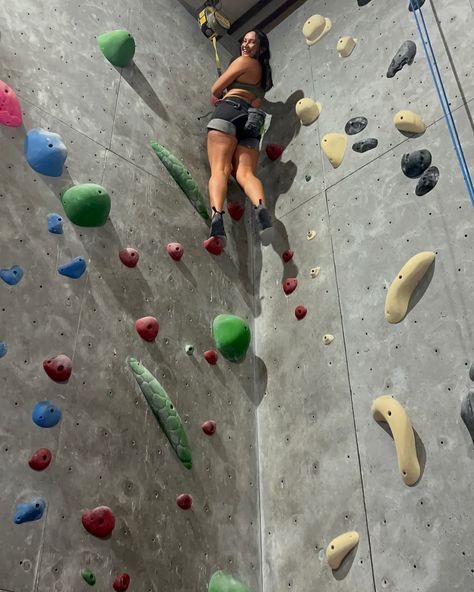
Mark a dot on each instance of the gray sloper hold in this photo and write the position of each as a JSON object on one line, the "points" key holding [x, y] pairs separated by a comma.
{"points": [[405, 55], [427, 181], [355, 125], [414, 164], [363, 2], [364, 145], [467, 413]]}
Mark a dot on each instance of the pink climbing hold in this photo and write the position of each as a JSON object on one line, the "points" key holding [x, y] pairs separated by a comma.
{"points": [[10, 108], [211, 356], [214, 245], [300, 312], [147, 328], [274, 151], [40, 460], [59, 368], [175, 251], [289, 285], [209, 427], [100, 521], [287, 255], [236, 210], [121, 582], [129, 257], [184, 501]]}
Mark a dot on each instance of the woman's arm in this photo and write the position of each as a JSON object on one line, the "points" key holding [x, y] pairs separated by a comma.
{"points": [[235, 69]]}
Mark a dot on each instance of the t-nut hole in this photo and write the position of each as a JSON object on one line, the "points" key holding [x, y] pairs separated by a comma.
{"points": [[50, 145], [389, 412], [332, 547]]}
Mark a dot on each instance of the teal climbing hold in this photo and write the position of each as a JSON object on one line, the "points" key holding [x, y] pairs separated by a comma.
{"points": [[222, 582], [183, 178], [88, 576], [86, 205], [117, 46], [232, 336], [164, 411]]}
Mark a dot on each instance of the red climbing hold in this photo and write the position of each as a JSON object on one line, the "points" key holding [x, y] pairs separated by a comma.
{"points": [[100, 521], [236, 210], [184, 501], [274, 151], [300, 312], [214, 245], [209, 427], [40, 459], [289, 285], [10, 108], [59, 368], [211, 356], [129, 257], [175, 251], [147, 328], [121, 582], [287, 255]]}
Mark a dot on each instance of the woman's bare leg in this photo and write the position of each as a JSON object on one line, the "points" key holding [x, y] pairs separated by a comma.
{"points": [[220, 148]]}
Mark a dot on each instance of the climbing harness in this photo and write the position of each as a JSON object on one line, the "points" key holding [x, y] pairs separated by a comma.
{"points": [[443, 99], [213, 25]]}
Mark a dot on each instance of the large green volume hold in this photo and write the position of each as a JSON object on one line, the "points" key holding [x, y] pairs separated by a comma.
{"points": [[232, 336], [117, 46], [164, 411], [222, 582], [86, 205], [183, 177]]}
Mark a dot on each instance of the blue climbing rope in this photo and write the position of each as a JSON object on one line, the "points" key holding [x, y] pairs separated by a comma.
{"points": [[443, 99]]}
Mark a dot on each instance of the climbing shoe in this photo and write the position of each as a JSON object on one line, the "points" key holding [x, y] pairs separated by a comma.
{"points": [[265, 224], [217, 226]]}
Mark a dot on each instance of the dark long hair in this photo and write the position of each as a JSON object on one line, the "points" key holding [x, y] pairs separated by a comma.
{"points": [[263, 58]]}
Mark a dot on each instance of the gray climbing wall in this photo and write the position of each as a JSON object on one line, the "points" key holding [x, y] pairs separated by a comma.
{"points": [[326, 465], [108, 449]]}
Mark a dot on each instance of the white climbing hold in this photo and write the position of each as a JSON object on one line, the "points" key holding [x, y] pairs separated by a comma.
{"points": [[327, 339], [307, 110], [408, 121], [310, 234], [345, 46], [314, 272], [334, 147], [315, 28]]}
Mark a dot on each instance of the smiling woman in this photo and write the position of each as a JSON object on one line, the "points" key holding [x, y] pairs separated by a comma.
{"points": [[234, 131]]}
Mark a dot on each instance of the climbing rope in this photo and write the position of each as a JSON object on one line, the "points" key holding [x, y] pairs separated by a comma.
{"points": [[441, 91]]}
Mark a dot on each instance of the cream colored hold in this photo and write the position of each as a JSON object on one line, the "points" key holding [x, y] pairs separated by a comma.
{"points": [[314, 272], [315, 28], [327, 339], [408, 121], [334, 147], [308, 110], [310, 234], [345, 46], [403, 286], [388, 409], [339, 547]]}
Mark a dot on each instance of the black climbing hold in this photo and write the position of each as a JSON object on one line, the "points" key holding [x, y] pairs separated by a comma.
{"points": [[416, 4], [471, 371], [356, 125], [405, 55], [427, 181], [362, 2], [467, 412], [365, 145], [414, 164]]}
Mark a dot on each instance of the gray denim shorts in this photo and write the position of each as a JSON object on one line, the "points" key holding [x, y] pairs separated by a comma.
{"points": [[230, 117]]}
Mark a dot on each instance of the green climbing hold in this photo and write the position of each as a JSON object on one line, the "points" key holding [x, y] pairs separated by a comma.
{"points": [[222, 582], [164, 411], [88, 576], [117, 46], [86, 205], [232, 337], [183, 177]]}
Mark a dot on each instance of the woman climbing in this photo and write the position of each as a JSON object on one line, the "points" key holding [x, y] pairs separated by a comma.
{"points": [[234, 131]]}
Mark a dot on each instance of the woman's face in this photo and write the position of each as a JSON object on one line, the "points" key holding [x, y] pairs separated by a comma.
{"points": [[250, 45]]}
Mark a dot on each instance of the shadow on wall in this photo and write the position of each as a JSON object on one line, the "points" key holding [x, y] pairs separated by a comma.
{"points": [[135, 78]]}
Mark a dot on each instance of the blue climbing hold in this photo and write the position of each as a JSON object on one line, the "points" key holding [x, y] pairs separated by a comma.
{"points": [[3, 349], [29, 511], [46, 414], [12, 275], [74, 269], [45, 152], [55, 223]]}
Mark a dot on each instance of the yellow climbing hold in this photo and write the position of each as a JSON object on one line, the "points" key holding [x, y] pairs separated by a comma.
{"points": [[310, 234], [388, 409], [339, 547], [408, 121], [334, 147], [315, 28], [402, 287], [308, 110], [327, 339], [345, 46], [314, 272]]}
